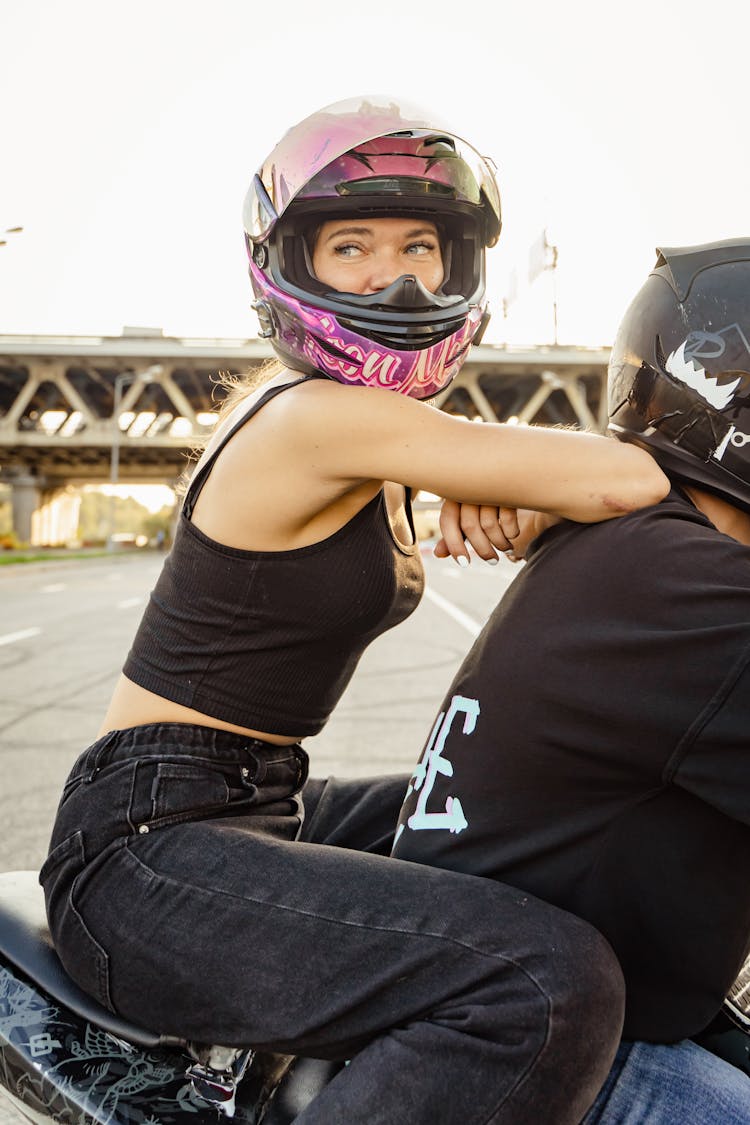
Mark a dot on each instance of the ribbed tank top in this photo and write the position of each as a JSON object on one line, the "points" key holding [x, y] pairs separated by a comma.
{"points": [[270, 639]]}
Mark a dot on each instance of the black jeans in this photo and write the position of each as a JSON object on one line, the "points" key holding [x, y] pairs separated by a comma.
{"points": [[185, 893]]}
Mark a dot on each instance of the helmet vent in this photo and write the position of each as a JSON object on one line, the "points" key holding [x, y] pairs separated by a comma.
{"points": [[395, 185]]}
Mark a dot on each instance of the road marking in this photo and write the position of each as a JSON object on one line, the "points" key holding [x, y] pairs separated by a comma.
{"points": [[129, 603], [53, 588], [453, 611], [21, 635]]}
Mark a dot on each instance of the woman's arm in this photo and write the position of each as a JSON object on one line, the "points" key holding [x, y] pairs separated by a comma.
{"points": [[352, 434]]}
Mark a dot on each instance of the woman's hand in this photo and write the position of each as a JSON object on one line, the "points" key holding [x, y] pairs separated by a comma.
{"points": [[489, 530]]}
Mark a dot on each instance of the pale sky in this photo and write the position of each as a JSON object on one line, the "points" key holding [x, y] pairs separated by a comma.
{"points": [[130, 131]]}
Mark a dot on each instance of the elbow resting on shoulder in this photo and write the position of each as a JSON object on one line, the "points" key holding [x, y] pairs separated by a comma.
{"points": [[640, 482]]}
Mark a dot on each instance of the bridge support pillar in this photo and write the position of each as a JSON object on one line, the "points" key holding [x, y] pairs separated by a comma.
{"points": [[25, 495], [55, 521]]}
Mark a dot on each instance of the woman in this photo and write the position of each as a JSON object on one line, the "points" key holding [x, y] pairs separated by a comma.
{"points": [[189, 885]]}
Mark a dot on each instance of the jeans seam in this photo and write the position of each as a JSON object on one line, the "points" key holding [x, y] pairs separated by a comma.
{"points": [[500, 957], [497, 957], [532, 1062]]}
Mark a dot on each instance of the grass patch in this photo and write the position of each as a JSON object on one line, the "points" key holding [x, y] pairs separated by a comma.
{"points": [[48, 556]]}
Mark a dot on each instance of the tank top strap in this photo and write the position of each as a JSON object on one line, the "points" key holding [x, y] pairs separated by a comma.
{"points": [[200, 478]]}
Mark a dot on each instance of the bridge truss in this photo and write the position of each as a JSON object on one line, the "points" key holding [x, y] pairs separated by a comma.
{"points": [[68, 405]]}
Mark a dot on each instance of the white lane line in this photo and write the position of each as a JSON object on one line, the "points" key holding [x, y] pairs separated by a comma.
{"points": [[130, 602], [53, 588], [21, 635], [453, 611]]}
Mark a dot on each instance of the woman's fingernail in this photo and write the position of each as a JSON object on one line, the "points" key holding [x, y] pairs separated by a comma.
{"points": [[493, 561], [462, 560]]}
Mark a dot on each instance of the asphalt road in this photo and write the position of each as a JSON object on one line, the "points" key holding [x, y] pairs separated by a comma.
{"points": [[65, 628]]}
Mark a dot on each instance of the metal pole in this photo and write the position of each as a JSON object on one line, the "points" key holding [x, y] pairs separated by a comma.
{"points": [[114, 458], [554, 305], [553, 268]]}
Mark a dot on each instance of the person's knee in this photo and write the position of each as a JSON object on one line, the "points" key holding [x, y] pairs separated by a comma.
{"points": [[552, 1014], [586, 984], [586, 1004]]}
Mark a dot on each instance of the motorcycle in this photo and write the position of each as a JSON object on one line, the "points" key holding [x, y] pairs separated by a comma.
{"points": [[65, 1058]]}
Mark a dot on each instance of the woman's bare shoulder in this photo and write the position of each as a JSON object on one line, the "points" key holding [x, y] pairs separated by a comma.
{"points": [[326, 403]]}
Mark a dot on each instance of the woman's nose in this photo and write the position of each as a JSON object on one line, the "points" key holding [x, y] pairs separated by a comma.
{"points": [[385, 270]]}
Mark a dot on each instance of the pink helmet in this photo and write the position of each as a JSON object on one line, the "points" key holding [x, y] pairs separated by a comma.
{"points": [[371, 157]]}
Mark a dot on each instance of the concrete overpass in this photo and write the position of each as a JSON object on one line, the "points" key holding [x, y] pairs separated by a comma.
{"points": [[75, 409]]}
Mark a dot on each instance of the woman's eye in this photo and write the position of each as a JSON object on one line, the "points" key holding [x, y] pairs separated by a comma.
{"points": [[419, 248], [346, 250]]}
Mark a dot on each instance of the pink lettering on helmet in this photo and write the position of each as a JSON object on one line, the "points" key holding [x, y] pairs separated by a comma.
{"points": [[381, 368]]}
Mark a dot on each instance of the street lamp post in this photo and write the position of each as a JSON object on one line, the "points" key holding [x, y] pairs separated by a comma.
{"points": [[121, 379]]}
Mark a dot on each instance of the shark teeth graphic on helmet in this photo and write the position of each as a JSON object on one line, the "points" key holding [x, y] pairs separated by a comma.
{"points": [[689, 372]]}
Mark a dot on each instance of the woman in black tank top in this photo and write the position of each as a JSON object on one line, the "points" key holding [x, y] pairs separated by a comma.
{"points": [[191, 881]]}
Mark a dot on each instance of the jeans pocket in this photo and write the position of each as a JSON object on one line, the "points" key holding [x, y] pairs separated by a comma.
{"points": [[179, 788], [83, 957], [86, 960], [168, 792], [70, 849]]}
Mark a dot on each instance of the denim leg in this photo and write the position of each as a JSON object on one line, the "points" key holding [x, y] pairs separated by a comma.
{"points": [[457, 999], [178, 895], [676, 1084], [358, 813]]}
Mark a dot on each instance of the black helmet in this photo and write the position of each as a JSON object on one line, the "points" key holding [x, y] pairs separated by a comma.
{"points": [[679, 371]]}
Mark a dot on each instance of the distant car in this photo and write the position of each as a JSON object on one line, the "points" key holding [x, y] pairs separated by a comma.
{"points": [[128, 539]]}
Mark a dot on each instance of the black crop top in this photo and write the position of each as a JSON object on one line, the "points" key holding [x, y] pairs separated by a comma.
{"points": [[270, 639]]}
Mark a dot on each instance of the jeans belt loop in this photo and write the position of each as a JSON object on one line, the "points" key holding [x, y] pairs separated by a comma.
{"points": [[97, 763], [253, 775], [303, 765]]}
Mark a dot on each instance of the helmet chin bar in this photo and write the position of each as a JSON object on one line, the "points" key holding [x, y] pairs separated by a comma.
{"points": [[406, 292]]}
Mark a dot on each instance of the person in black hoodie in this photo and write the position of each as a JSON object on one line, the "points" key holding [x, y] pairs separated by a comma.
{"points": [[593, 750]]}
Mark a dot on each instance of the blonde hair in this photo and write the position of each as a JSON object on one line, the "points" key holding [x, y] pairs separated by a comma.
{"points": [[236, 388]]}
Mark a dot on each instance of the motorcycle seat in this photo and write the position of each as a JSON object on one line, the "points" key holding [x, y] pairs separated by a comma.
{"points": [[26, 942]]}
